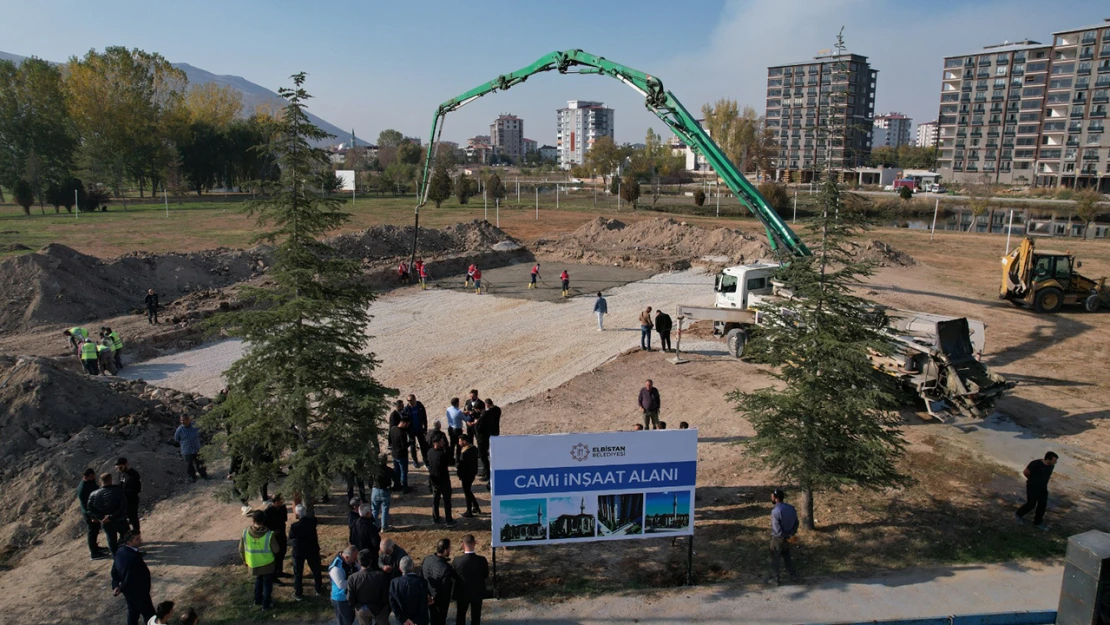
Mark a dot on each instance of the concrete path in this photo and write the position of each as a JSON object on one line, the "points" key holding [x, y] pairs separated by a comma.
{"points": [[910, 594]]}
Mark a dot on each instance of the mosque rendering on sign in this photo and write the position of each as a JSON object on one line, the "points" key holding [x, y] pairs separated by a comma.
{"points": [[519, 514], [580, 525], [620, 515], [667, 512]]}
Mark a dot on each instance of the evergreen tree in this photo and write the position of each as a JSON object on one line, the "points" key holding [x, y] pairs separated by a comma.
{"points": [[303, 395], [464, 188], [495, 188], [833, 422], [439, 188], [23, 195]]}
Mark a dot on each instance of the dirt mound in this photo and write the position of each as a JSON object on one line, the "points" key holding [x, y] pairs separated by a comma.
{"points": [[57, 284], [659, 244], [13, 247], [381, 242], [58, 423], [883, 254]]}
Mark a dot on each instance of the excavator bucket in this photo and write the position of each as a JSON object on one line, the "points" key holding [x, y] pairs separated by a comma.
{"points": [[971, 386]]}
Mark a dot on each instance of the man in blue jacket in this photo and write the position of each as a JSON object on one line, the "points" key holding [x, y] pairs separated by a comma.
{"points": [[784, 525], [131, 578], [601, 309]]}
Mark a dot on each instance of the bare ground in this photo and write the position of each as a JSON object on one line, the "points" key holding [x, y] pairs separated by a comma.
{"points": [[534, 353]]}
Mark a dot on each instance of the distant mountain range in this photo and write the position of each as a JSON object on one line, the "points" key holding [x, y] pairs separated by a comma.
{"points": [[253, 95]]}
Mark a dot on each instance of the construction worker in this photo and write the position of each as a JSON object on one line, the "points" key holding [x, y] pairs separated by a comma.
{"points": [[422, 273], [89, 357], [403, 272], [565, 277], [477, 276], [535, 276], [104, 356], [117, 345], [77, 335], [470, 274]]}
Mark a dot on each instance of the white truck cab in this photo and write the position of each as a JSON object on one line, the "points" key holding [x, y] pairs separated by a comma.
{"points": [[734, 284]]}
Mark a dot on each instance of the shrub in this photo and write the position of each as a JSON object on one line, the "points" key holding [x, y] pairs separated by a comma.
{"points": [[776, 195], [905, 193], [699, 197]]}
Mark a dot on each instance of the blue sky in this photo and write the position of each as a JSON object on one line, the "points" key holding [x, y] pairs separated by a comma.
{"points": [[388, 64], [663, 503]]}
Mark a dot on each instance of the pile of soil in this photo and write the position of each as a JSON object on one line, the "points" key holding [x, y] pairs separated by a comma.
{"points": [[382, 242], [13, 247], [656, 244], [57, 284], [58, 423], [882, 254]]}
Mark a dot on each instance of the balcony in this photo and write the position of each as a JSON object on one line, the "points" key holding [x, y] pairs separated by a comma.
{"points": [[976, 133], [1090, 157], [1097, 114]]}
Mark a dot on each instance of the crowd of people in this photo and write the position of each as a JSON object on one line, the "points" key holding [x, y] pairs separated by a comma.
{"points": [[370, 579]]}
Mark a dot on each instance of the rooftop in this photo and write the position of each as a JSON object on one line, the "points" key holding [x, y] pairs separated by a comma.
{"points": [[847, 56], [1105, 24], [1005, 46]]}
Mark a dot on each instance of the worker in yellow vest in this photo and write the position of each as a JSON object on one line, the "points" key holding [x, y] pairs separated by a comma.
{"points": [[76, 335], [105, 360], [117, 345], [89, 357], [257, 547]]}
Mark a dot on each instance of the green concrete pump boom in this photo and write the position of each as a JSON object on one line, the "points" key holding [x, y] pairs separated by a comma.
{"points": [[658, 101]]}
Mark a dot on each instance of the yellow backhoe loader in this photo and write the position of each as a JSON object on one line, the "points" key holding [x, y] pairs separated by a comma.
{"points": [[1046, 281]]}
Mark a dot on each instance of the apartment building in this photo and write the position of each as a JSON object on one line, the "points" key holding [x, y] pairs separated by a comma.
{"points": [[821, 109], [507, 136], [579, 125], [891, 131], [1029, 113], [927, 135]]}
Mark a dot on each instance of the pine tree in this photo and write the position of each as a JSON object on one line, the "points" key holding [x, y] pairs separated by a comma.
{"points": [[495, 188], [833, 421], [439, 188], [303, 395], [464, 188]]}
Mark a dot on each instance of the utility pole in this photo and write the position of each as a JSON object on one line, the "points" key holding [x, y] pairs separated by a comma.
{"points": [[537, 203]]}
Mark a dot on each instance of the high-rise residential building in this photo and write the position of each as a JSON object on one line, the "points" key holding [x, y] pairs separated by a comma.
{"points": [[891, 130], [530, 146], [579, 125], [507, 136], [927, 135], [1029, 113], [821, 109]]}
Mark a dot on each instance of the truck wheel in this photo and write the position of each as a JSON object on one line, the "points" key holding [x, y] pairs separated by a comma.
{"points": [[1048, 300], [1092, 303], [736, 339]]}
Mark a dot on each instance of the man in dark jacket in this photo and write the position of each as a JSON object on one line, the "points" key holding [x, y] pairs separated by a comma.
{"points": [[470, 589], [489, 425], [368, 591], [367, 535], [132, 486], [408, 595], [306, 550], [380, 495], [439, 475], [437, 571], [418, 430], [92, 524], [131, 578], [467, 470], [109, 504], [277, 515], [399, 449], [648, 401], [663, 327], [151, 301], [352, 518]]}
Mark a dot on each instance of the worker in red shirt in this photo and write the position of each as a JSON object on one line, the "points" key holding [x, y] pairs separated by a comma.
{"points": [[565, 277], [422, 273], [535, 276], [477, 277], [470, 274], [403, 271]]}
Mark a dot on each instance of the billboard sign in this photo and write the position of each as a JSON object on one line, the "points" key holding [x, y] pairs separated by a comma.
{"points": [[564, 488], [348, 178]]}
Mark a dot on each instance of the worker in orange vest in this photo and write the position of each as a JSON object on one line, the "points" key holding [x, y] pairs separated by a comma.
{"points": [[477, 275], [565, 277]]}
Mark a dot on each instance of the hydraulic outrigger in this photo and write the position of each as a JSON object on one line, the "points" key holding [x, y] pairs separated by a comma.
{"points": [[657, 100]]}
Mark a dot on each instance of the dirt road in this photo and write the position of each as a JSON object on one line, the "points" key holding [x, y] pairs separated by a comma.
{"points": [[912, 594]]}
